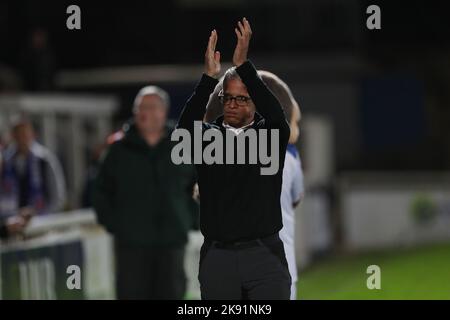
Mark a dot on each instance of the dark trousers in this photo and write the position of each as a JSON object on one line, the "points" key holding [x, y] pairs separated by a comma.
{"points": [[253, 270], [150, 273]]}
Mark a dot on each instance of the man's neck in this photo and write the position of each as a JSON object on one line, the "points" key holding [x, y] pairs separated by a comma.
{"points": [[153, 137]]}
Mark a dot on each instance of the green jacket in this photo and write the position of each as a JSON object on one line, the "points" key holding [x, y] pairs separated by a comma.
{"points": [[141, 197]]}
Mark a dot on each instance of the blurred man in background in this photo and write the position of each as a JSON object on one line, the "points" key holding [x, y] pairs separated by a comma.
{"points": [[292, 193], [145, 201], [32, 180], [292, 189]]}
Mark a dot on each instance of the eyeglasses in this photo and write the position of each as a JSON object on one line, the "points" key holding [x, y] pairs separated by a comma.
{"points": [[226, 99]]}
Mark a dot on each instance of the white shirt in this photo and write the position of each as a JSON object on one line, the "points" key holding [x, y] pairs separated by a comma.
{"points": [[236, 131], [292, 191]]}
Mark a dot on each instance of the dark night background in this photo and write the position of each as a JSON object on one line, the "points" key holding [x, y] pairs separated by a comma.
{"points": [[396, 130]]}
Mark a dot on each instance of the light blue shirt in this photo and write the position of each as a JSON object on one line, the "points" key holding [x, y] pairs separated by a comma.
{"points": [[291, 192]]}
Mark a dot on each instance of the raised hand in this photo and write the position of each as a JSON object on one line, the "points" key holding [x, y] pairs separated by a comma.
{"points": [[243, 33], [212, 57]]}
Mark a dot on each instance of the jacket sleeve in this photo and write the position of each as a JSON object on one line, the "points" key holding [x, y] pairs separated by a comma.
{"points": [[104, 190], [265, 101], [195, 106]]}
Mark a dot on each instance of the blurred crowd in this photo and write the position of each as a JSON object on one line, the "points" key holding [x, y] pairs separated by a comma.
{"points": [[31, 179]]}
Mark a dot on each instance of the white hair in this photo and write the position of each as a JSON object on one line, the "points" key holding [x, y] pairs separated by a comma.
{"points": [[148, 91]]}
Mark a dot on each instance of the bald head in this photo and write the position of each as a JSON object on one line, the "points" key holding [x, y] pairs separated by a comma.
{"points": [[150, 109]]}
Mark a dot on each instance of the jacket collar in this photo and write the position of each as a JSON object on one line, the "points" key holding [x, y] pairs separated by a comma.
{"points": [[219, 122]]}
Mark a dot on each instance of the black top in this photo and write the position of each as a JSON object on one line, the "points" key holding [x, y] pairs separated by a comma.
{"points": [[236, 201], [141, 197]]}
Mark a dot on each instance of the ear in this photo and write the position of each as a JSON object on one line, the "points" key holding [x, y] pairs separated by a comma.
{"points": [[252, 109]]}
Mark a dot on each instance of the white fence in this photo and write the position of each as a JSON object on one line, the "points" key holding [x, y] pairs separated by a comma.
{"points": [[382, 210]]}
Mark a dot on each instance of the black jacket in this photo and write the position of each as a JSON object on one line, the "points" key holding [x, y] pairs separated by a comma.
{"points": [[237, 202], [141, 197]]}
